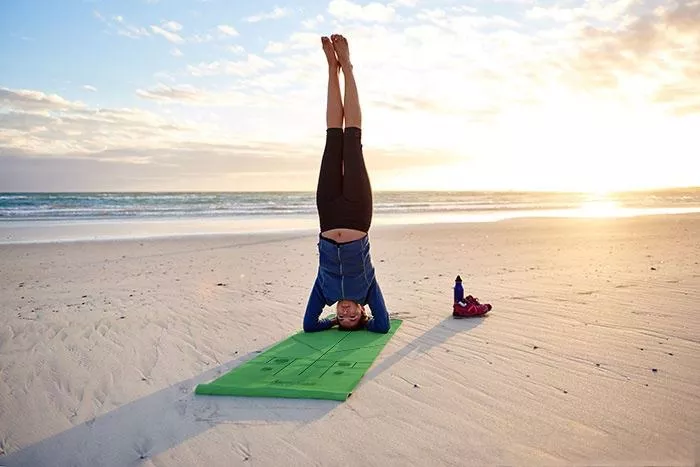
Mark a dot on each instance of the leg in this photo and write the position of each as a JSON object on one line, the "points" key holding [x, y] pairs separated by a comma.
{"points": [[356, 183], [353, 115], [330, 179], [334, 104]]}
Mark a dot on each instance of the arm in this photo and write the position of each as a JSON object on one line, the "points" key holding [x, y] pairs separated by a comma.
{"points": [[314, 308], [380, 317]]}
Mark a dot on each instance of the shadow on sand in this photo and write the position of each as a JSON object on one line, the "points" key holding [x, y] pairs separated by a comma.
{"points": [[156, 423], [439, 334], [153, 424]]}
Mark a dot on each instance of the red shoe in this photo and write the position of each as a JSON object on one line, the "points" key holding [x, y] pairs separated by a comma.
{"points": [[470, 307], [469, 299]]}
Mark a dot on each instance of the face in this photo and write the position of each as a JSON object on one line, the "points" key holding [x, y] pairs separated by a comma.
{"points": [[349, 313]]}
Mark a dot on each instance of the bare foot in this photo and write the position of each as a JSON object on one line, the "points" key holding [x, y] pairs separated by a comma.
{"points": [[330, 52], [342, 51]]}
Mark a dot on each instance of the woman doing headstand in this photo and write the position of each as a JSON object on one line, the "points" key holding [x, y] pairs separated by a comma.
{"points": [[345, 275]]}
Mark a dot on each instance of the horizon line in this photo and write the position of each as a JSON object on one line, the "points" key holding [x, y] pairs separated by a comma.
{"points": [[631, 190]]}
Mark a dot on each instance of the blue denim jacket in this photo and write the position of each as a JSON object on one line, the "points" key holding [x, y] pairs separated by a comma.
{"points": [[345, 272]]}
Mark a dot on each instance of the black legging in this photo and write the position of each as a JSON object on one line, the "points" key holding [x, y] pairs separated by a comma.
{"points": [[344, 193]]}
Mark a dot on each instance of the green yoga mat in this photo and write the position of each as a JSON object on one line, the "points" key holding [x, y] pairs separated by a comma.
{"points": [[308, 365]]}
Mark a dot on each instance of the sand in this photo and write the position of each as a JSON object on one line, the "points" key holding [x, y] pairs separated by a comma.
{"points": [[591, 355]]}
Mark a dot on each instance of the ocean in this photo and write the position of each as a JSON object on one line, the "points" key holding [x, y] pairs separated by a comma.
{"points": [[27, 217]]}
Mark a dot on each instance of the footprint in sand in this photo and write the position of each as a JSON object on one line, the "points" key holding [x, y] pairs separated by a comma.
{"points": [[401, 315], [244, 451], [3, 446], [204, 412], [143, 447], [181, 407]]}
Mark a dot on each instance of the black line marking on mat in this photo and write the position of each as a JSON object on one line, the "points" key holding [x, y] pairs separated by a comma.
{"points": [[324, 353], [356, 348], [362, 363], [309, 346], [290, 362], [335, 365], [322, 374]]}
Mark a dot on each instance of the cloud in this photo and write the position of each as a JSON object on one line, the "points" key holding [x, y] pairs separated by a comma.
{"points": [[164, 76], [181, 93], [276, 13], [175, 52], [252, 65], [236, 49], [515, 2], [295, 41], [232, 97], [172, 26], [276, 47], [23, 121], [163, 92], [45, 139], [222, 32], [372, 12], [192, 165], [30, 100], [165, 168], [170, 30], [312, 22], [168, 35], [625, 61], [48, 142], [90, 88], [503, 65], [228, 30], [682, 98], [535, 82], [201, 38], [410, 104], [595, 10], [403, 3], [36, 123], [119, 25], [464, 18], [133, 32], [505, 78]]}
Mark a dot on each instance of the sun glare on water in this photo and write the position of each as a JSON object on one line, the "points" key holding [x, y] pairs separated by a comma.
{"points": [[600, 208]]}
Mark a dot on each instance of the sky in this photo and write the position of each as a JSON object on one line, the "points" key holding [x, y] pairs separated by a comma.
{"points": [[222, 95]]}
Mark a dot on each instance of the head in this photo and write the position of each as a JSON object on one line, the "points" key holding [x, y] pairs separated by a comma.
{"points": [[351, 315]]}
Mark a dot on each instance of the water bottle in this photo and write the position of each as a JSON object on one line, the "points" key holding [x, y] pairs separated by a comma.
{"points": [[459, 290]]}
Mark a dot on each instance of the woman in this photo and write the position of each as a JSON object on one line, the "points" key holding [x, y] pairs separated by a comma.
{"points": [[344, 202]]}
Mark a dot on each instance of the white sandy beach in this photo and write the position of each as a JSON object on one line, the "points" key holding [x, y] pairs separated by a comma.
{"points": [[591, 355]]}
